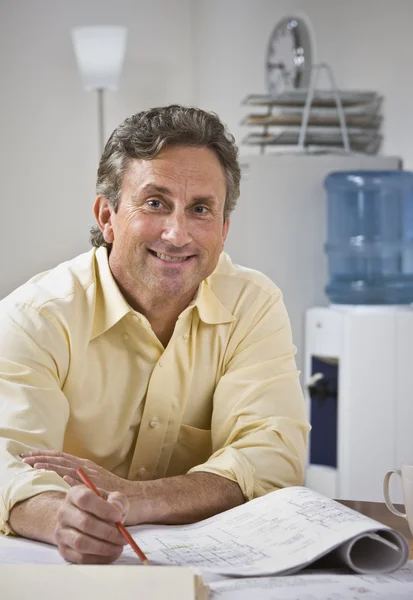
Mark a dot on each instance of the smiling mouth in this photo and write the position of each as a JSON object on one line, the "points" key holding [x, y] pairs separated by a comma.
{"points": [[168, 258]]}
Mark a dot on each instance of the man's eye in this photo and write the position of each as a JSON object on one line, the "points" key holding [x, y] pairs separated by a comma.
{"points": [[154, 203], [201, 210]]}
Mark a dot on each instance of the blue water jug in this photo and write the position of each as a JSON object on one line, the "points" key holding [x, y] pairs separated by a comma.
{"points": [[370, 237]]}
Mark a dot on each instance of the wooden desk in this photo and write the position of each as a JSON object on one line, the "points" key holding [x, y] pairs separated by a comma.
{"points": [[380, 512]]}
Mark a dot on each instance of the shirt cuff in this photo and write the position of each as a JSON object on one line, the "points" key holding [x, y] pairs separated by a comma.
{"points": [[233, 465], [24, 486]]}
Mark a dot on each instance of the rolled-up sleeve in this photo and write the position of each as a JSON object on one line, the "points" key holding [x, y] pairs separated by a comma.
{"points": [[259, 425], [34, 411]]}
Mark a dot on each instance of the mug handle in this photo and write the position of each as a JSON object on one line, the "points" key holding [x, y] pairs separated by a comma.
{"points": [[389, 503]]}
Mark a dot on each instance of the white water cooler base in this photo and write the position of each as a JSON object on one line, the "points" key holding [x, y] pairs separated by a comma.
{"points": [[361, 404]]}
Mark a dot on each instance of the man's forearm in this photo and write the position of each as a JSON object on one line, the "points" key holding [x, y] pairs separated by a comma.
{"points": [[36, 517], [182, 499], [172, 500]]}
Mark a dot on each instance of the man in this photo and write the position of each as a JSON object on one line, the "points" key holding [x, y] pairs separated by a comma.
{"points": [[152, 361]]}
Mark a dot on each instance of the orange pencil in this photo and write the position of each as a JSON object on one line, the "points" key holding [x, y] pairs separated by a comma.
{"points": [[119, 525]]}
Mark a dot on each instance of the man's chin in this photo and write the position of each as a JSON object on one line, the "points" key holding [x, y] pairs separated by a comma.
{"points": [[177, 289], [176, 292]]}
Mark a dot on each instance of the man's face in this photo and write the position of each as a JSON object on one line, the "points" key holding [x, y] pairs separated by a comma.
{"points": [[169, 230]]}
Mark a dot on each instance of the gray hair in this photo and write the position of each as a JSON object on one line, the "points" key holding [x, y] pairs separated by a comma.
{"points": [[146, 133]]}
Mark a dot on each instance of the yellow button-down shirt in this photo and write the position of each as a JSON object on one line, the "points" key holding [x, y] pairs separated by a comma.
{"points": [[82, 372]]}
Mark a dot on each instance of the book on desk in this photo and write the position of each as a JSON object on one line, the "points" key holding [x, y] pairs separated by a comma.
{"points": [[278, 534]]}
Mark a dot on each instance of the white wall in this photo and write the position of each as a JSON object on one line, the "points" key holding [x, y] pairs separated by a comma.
{"points": [[207, 52], [48, 124]]}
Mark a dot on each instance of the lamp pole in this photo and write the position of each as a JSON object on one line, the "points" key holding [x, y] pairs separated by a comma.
{"points": [[101, 122]]}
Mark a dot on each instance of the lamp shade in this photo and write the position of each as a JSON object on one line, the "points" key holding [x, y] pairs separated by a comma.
{"points": [[99, 51]]}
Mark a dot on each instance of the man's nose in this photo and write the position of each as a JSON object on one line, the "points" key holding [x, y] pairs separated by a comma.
{"points": [[176, 230]]}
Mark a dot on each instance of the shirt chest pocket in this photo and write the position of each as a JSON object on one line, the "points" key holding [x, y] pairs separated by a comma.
{"points": [[193, 447]]}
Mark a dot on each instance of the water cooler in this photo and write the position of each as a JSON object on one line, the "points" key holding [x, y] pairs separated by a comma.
{"points": [[359, 375], [358, 369]]}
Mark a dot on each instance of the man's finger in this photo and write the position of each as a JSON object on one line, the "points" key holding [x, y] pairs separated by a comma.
{"points": [[87, 544], [62, 471], [80, 559], [77, 557], [86, 500], [52, 467], [71, 481], [121, 502], [55, 457], [46, 453], [71, 518], [53, 462], [68, 470]]}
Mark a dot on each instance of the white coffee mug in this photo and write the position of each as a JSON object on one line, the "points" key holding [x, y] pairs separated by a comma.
{"points": [[406, 475]]}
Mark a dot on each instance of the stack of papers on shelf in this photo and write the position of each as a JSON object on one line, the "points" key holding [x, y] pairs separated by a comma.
{"points": [[276, 121]]}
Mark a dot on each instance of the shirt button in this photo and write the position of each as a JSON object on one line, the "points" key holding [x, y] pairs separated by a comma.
{"points": [[185, 336], [142, 471], [154, 423], [125, 336], [160, 364]]}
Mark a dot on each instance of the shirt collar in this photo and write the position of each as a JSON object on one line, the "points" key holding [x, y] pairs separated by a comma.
{"points": [[210, 308], [110, 304]]}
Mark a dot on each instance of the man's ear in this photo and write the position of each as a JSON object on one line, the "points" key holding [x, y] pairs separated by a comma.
{"points": [[103, 215]]}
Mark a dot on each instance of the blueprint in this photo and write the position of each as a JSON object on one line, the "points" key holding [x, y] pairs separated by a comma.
{"points": [[319, 586], [279, 533]]}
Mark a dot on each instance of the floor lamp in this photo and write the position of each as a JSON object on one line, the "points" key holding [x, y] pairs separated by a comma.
{"points": [[99, 52]]}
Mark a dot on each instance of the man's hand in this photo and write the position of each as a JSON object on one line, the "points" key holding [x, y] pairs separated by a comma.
{"points": [[66, 465], [168, 500], [86, 531]]}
